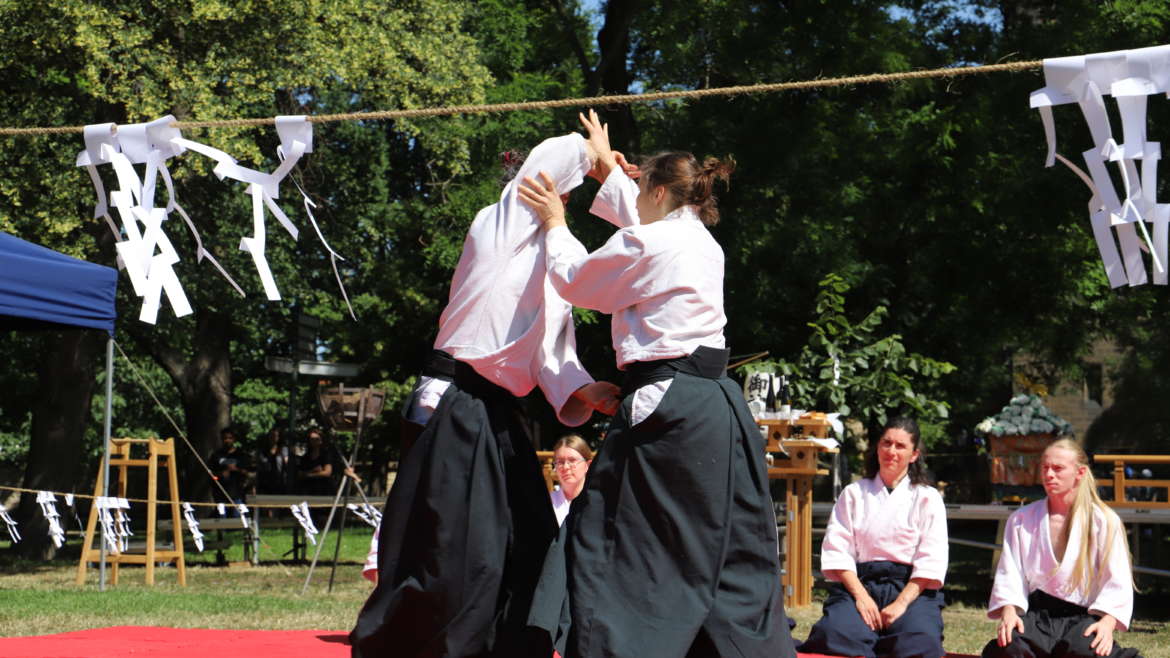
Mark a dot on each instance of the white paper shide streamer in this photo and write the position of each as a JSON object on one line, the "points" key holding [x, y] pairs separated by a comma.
{"points": [[302, 514], [193, 526], [48, 503], [10, 523], [144, 249], [366, 512], [1118, 220]]}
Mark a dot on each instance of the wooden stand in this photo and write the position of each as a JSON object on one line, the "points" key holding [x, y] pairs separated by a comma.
{"points": [[797, 471], [120, 458]]}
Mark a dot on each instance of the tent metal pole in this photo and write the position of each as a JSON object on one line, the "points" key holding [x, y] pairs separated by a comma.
{"points": [[106, 452]]}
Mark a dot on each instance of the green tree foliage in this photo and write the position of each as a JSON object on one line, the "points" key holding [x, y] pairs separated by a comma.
{"points": [[849, 368]]}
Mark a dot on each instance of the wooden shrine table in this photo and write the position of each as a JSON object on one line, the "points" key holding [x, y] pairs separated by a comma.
{"points": [[797, 470]]}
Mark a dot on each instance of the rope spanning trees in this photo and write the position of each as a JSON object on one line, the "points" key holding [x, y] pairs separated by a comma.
{"points": [[620, 99]]}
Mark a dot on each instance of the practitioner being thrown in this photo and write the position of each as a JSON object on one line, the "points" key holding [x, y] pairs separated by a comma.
{"points": [[1064, 582], [886, 549], [670, 549], [468, 521]]}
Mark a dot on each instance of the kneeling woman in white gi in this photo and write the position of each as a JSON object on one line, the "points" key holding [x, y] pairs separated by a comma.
{"points": [[886, 547], [671, 547], [1064, 582]]}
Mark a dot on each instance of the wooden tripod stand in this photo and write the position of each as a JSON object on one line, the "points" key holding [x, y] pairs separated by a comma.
{"points": [[120, 458]]}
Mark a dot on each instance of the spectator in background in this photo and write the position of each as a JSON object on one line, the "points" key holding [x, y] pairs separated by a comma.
{"points": [[315, 470], [273, 464], [571, 458], [232, 467]]}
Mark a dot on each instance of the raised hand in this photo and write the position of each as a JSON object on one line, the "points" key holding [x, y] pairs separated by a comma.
{"points": [[598, 138]]}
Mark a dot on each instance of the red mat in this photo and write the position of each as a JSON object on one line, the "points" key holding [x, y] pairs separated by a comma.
{"points": [[155, 642]]}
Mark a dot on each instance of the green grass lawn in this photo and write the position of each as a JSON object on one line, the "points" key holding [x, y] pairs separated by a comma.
{"points": [[39, 598]]}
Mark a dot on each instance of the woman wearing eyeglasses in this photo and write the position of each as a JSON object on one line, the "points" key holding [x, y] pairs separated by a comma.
{"points": [[571, 457]]}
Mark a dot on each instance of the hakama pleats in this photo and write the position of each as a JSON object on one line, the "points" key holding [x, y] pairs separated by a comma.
{"points": [[464, 532], [670, 550]]}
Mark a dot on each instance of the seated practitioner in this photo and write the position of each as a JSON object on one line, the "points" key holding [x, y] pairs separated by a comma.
{"points": [[233, 468], [571, 458], [886, 548], [1063, 583]]}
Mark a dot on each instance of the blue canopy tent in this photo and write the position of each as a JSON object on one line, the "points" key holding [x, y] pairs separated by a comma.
{"points": [[43, 289]]}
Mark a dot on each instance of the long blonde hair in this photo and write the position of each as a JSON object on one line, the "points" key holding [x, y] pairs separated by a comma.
{"points": [[1084, 503]]}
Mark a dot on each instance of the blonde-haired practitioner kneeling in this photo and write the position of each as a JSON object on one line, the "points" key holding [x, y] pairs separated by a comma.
{"points": [[1064, 582]]}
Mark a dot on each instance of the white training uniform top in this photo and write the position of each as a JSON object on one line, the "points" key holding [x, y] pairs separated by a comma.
{"points": [[560, 504], [907, 525], [503, 317], [1028, 563], [662, 282]]}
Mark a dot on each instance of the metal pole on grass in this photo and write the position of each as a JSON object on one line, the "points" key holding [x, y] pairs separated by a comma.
{"points": [[106, 454], [329, 521]]}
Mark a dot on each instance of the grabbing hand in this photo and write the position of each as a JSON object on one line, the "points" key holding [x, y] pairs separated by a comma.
{"points": [[1102, 645], [631, 169], [1009, 621], [544, 200], [602, 396], [869, 612]]}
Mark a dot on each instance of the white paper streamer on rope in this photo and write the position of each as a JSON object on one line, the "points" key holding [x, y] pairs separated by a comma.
{"points": [[301, 514], [221, 509], [193, 526], [48, 503], [1117, 220], [243, 511], [106, 517], [122, 512], [366, 513], [10, 523], [293, 129], [265, 189]]}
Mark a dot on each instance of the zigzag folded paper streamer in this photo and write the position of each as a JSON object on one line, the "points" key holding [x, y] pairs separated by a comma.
{"points": [[144, 249], [302, 515], [10, 523], [1130, 76], [193, 526], [48, 503]]}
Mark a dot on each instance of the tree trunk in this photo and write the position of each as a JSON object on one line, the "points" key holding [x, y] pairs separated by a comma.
{"points": [[611, 75], [205, 386], [65, 388]]}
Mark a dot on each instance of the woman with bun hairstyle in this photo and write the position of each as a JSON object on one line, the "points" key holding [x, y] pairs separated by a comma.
{"points": [[670, 549]]}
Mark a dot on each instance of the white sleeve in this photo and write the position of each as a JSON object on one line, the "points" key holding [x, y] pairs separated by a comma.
{"points": [[616, 201], [558, 370], [609, 279], [1010, 586], [370, 569], [932, 554], [1115, 596], [839, 546]]}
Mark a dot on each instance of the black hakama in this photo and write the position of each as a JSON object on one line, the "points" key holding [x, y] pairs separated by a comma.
{"points": [[670, 549], [918, 633], [1053, 627], [464, 531]]}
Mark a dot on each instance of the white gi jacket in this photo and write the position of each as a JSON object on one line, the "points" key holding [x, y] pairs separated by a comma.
{"points": [[662, 282], [560, 504], [503, 317], [907, 525], [1028, 563]]}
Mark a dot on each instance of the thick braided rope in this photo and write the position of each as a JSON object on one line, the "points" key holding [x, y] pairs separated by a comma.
{"points": [[621, 99]]}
